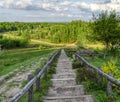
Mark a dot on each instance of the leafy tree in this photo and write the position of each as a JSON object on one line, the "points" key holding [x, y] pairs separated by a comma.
{"points": [[106, 29]]}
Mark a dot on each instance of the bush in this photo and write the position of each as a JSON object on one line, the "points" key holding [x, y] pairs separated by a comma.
{"points": [[111, 68], [13, 43]]}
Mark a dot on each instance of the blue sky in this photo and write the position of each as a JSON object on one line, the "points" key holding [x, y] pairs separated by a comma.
{"points": [[54, 10]]}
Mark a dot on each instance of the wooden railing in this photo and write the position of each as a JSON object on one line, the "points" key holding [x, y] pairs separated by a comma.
{"points": [[110, 78], [32, 80]]}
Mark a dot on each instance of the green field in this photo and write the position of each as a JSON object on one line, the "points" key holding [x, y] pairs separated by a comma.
{"points": [[12, 59]]}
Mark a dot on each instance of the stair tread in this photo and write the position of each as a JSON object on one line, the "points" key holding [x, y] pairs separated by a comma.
{"points": [[64, 79], [64, 87], [62, 97]]}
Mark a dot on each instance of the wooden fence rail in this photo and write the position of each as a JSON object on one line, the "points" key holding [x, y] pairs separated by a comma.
{"points": [[29, 86], [110, 78]]}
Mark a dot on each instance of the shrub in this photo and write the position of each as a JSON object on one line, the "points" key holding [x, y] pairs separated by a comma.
{"points": [[13, 43], [111, 68]]}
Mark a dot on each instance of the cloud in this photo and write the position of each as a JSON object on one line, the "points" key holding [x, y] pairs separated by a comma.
{"points": [[29, 5], [20, 4], [96, 7], [58, 5], [102, 1], [71, 9], [66, 3], [55, 0]]}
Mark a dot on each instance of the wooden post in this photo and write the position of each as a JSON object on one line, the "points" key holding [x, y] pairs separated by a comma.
{"points": [[73, 56], [76, 57], [30, 91], [38, 80], [45, 74], [100, 79], [92, 55], [109, 87]]}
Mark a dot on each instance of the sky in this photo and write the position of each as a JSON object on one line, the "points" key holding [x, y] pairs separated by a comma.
{"points": [[54, 10]]}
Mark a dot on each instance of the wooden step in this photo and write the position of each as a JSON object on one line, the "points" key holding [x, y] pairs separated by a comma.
{"points": [[64, 71], [64, 66], [63, 82], [83, 98], [64, 75], [64, 88], [76, 90]]}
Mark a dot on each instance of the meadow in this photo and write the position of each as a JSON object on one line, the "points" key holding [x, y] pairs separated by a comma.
{"points": [[11, 59]]}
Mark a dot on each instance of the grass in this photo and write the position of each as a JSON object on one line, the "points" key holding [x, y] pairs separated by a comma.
{"points": [[42, 42], [44, 85], [89, 79], [95, 46], [98, 61], [12, 59]]}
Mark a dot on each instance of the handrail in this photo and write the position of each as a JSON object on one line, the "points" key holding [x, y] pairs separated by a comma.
{"points": [[110, 78], [31, 82]]}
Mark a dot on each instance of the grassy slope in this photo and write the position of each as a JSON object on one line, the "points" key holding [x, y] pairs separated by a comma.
{"points": [[12, 59], [45, 83]]}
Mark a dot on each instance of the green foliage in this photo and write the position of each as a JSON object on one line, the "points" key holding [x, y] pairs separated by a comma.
{"points": [[88, 78], [75, 31], [106, 29], [1, 36], [6, 26], [12, 43], [110, 68]]}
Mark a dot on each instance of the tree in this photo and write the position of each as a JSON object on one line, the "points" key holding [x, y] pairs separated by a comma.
{"points": [[106, 29]]}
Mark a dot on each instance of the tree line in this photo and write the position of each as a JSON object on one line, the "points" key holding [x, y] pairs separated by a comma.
{"points": [[104, 28], [71, 32]]}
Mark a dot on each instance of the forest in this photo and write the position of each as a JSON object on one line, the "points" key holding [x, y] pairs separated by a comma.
{"points": [[72, 32]]}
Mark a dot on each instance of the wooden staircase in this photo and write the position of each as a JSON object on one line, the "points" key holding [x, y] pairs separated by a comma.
{"points": [[64, 88]]}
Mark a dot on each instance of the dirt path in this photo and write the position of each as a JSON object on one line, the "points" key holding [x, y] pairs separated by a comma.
{"points": [[8, 88]]}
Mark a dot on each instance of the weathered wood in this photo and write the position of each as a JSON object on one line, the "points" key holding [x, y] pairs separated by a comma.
{"points": [[100, 78], [109, 87], [30, 91], [110, 78], [91, 54], [38, 80], [45, 74], [73, 57], [31, 82]]}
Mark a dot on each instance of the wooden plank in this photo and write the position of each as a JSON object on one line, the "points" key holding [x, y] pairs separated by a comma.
{"points": [[30, 91], [38, 80]]}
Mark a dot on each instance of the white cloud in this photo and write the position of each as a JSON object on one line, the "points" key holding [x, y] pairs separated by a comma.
{"points": [[15, 4], [111, 5], [66, 9], [63, 5], [69, 15], [66, 3], [71, 9], [24, 4]]}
